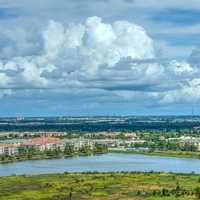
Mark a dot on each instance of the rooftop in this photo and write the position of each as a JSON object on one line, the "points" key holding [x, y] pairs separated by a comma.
{"points": [[42, 141]]}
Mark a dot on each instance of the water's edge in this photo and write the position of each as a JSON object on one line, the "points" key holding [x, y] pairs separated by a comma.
{"points": [[111, 162]]}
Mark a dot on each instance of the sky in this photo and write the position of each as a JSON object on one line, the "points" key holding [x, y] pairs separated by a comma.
{"points": [[99, 57]]}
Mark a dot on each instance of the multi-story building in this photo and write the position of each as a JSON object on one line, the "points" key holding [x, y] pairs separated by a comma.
{"points": [[43, 143], [83, 143], [80, 143], [53, 134], [8, 149]]}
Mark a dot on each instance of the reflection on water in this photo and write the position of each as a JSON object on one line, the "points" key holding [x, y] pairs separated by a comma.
{"points": [[103, 163]]}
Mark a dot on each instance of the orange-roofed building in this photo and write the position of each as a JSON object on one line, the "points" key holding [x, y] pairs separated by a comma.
{"points": [[44, 143]]}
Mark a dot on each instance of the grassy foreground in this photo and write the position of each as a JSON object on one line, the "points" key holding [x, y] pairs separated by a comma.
{"points": [[101, 186]]}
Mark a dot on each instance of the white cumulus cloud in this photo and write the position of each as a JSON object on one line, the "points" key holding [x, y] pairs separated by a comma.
{"points": [[117, 58]]}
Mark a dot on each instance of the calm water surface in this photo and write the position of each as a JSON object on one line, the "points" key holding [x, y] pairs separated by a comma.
{"points": [[103, 163]]}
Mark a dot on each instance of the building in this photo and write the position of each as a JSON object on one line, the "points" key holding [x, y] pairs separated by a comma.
{"points": [[131, 135], [198, 147], [109, 142], [102, 135], [53, 134], [8, 149], [44, 143], [80, 143]]}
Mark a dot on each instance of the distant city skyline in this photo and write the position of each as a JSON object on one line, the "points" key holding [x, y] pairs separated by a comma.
{"points": [[102, 57]]}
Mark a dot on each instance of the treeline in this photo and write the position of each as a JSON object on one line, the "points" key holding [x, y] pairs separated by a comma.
{"points": [[167, 146], [129, 125]]}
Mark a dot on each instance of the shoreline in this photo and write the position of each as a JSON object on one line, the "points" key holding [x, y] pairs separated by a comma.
{"points": [[174, 154], [109, 162], [48, 157]]}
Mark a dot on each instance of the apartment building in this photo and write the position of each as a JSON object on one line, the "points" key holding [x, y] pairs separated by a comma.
{"points": [[43, 143], [8, 149]]}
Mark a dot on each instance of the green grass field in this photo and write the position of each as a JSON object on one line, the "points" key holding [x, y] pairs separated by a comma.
{"points": [[101, 186]]}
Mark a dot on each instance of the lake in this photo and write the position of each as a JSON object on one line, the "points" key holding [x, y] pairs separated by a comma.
{"points": [[110, 162]]}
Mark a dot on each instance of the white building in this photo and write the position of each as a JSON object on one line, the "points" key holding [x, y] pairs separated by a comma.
{"points": [[8, 149], [80, 143], [43, 143]]}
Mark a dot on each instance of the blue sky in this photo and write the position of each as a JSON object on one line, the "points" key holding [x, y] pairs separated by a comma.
{"points": [[102, 57]]}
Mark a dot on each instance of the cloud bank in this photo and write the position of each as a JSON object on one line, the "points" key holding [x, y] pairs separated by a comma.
{"points": [[114, 60]]}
